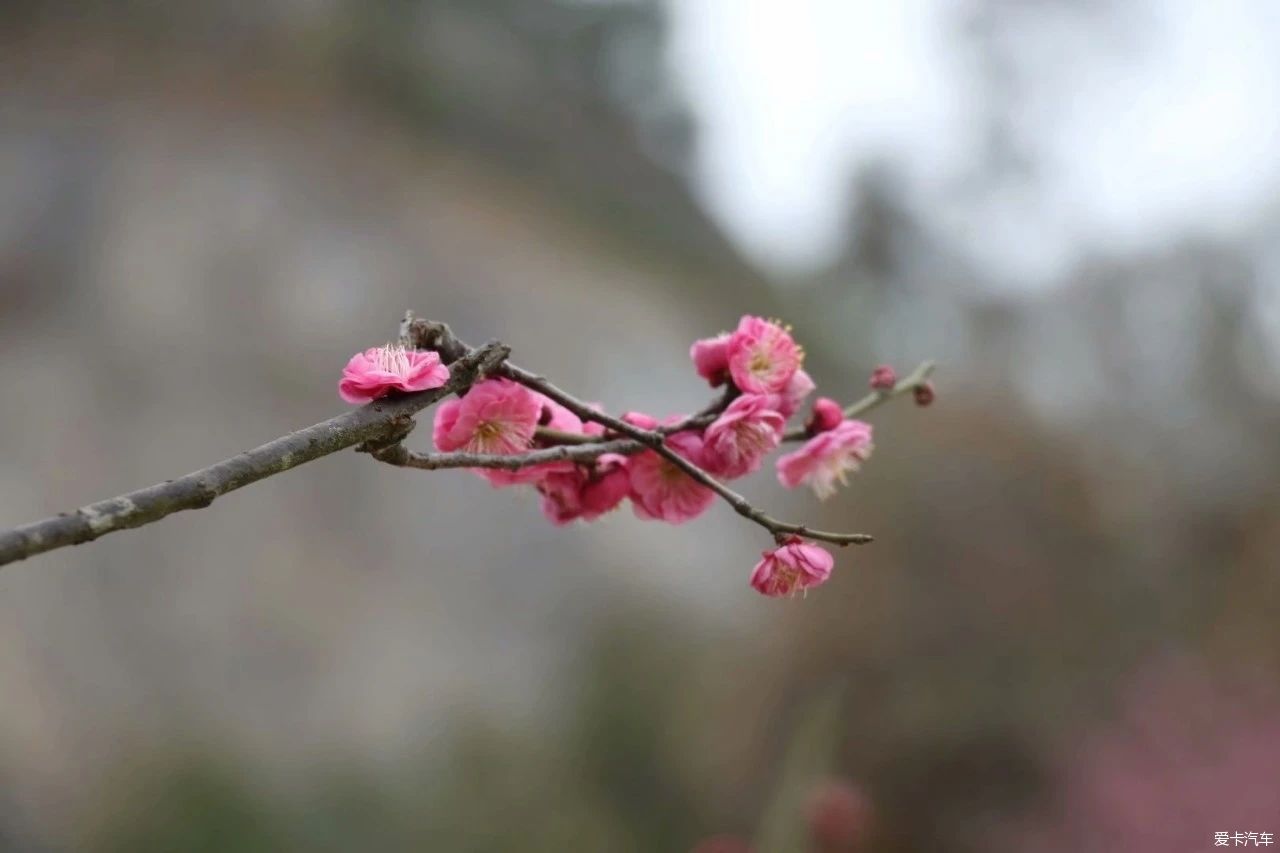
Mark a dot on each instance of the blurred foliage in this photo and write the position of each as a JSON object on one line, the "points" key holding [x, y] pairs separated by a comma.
{"points": [[605, 779]]}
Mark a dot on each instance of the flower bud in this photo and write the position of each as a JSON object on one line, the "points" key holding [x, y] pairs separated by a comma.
{"points": [[827, 415], [923, 393], [883, 378]]}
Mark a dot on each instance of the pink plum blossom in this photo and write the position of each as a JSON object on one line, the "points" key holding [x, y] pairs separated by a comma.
{"points": [[711, 358], [557, 417], [378, 371], [553, 416], [738, 440], [562, 495], [641, 420], [569, 495], [827, 415], [660, 490], [792, 396], [826, 458], [762, 356], [497, 416], [794, 565], [606, 487]]}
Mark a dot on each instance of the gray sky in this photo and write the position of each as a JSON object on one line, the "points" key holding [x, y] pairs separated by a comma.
{"points": [[1142, 119]]}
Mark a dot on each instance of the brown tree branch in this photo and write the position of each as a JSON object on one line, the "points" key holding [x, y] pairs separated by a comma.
{"points": [[381, 420], [379, 428]]}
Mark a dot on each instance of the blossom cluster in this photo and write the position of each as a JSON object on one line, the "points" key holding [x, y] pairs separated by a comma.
{"points": [[759, 365]]}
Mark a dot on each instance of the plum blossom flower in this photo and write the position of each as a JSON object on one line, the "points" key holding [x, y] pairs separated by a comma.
{"points": [[378, 371], [762, 356], [553, 416], [557, 417], [580, 493], [660, 490], [641, 420], [792, 396], [794, 565], [827, 415], [711, 358], [606, 487], [738, 440], [496, 416], [827, 457]]}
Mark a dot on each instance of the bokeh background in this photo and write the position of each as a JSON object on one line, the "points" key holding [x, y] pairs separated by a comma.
{"points": [[1065, 637]]}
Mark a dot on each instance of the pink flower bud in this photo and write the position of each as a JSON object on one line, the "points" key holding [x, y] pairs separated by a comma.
{"points": [[711, 358], [839, 817], [883, 378], [923, 393], [827, 415], [378, 371], [792, 566]]}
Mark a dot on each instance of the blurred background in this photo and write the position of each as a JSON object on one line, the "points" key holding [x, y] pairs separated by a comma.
{"points": [[1065, 637]]}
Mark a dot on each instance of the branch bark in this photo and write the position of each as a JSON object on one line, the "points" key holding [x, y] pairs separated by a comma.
{"points": [[402, 457], [382, 420]]}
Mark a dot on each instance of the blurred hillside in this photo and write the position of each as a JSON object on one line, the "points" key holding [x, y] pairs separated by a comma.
{"points": [[207, 208]]}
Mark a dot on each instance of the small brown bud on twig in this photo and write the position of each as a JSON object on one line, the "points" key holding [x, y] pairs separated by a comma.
{"points": [[883, 378]]}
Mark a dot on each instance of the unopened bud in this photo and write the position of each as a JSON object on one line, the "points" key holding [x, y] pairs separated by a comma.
{"points": [[839, 816], [827, 415], [923, 393], [883, 378]]}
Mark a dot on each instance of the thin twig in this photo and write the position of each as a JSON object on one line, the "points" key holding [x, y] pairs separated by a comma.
{"points": [[399, 455], [907, 385], [779, 529]]}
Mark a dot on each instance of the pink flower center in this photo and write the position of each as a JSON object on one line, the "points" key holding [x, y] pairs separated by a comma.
{"points": [[669, 473], [760, 363], [753, 438], [492, 437]]}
